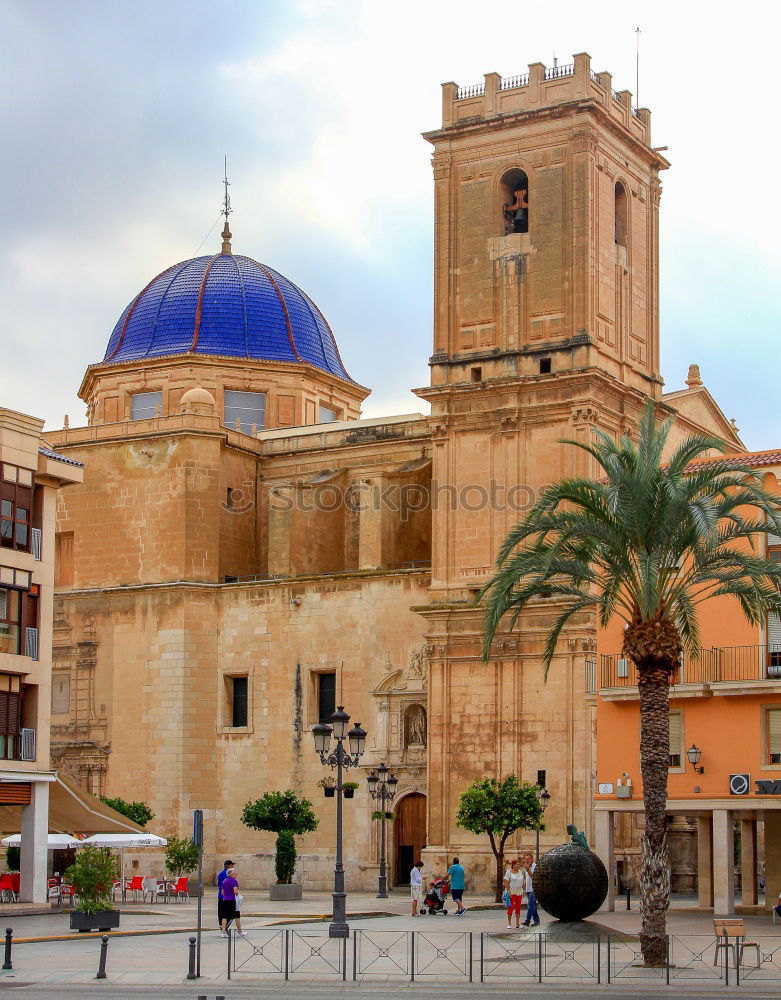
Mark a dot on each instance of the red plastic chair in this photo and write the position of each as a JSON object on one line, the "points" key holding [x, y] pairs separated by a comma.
{"points": [[136, 885], [9, 887], [180, 889]]}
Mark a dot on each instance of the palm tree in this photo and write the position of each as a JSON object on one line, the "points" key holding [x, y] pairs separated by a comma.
{"points": [[647, 543]]}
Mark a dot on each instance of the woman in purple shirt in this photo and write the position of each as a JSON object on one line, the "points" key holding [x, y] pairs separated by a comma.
{"points": [[230, 912]]}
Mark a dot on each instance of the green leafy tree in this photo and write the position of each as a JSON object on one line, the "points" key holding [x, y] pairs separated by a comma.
{"points": [[139, 812], [92, 875], [646, 543], [285, 814], [499, 808], [181, 856]]}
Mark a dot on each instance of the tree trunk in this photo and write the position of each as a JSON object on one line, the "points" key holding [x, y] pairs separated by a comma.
{"points": [[654, 685], [499, 886]]}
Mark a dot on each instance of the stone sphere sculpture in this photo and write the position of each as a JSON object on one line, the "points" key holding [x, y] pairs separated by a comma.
{"points": [[570, 882]]}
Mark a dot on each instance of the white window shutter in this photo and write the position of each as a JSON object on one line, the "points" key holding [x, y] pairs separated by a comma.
{"points": [[774, 629]]}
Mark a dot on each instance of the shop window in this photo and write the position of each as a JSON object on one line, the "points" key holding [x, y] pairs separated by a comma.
{"points": [[773, 736], [676, 741], [244, 410], [326, 697], [620, 214], [514, 190], [144, 405]]}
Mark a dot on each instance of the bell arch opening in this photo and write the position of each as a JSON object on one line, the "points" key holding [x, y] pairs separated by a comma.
{"points": [[514, 190]]}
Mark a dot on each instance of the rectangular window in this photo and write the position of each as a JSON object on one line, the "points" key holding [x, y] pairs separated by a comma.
{"points": [[239, 701], [145, 404], [676, 739], [10, 720], [249, 408], [326, 697], [16, 503], [773, 735], [327, 415], [10, 620]]}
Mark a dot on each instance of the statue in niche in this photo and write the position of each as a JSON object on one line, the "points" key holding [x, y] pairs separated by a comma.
{"points": [[516, 213], [416, 726]]}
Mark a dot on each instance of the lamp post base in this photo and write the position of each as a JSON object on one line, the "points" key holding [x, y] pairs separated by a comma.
{"points": [[339, 928], [382, 889]]}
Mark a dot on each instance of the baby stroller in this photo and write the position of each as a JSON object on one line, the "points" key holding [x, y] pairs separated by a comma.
{"points": [[435, 897]]}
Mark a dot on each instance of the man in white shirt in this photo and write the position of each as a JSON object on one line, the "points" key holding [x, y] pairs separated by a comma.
{"points": [[532, 916], [416, 887]]}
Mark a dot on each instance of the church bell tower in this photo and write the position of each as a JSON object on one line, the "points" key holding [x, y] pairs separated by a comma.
{"points": [[546, 325]]}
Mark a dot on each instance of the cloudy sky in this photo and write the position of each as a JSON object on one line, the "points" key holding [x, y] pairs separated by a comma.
{"points": [[115, 117]]}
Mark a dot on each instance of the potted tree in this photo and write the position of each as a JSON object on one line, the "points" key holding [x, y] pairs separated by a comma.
{"points": [[348, 787], [181, 858], [285, 814], [92, 874]]}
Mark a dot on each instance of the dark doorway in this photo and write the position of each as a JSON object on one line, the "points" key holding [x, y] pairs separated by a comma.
{"points": [[409, 835]]}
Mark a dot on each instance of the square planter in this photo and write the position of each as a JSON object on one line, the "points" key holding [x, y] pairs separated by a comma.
{"points": [[348, 793], [284, 892], [105, 920], [329, 792]]}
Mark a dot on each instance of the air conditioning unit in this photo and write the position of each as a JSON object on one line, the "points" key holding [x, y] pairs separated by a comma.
{"points": [[622, 668], [31, 643], [27, 744]]}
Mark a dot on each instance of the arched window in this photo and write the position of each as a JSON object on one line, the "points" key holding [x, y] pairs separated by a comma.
{"points": [[514, 189], [620, 214]]}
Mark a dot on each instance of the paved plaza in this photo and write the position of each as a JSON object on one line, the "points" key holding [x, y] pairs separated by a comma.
{"points": [[151, 950]]}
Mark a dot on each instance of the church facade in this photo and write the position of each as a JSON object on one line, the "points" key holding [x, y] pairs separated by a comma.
{"points": [[246, 553]]}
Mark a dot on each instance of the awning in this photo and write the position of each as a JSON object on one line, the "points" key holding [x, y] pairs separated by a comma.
{"points": [[57, 841], [71, 810]]}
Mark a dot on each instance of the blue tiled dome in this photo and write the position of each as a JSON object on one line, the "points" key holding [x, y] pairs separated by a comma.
{"points": [[225, 305]]}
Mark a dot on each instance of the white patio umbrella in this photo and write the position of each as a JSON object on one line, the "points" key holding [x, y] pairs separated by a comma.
{"points": [[122, 840], [57, 841]]}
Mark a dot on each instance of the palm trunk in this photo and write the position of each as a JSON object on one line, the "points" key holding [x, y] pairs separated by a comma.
{"points": [[654, 685]]}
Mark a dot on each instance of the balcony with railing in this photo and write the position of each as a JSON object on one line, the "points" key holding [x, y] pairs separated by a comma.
{"points": [[721, 669]]}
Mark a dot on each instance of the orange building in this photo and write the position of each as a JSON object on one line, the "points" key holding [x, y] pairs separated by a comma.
{"points": [[724, 786]]}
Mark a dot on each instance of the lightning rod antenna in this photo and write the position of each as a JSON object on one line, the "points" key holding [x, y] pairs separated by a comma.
{"points": [[226, 211], [637, 69]]}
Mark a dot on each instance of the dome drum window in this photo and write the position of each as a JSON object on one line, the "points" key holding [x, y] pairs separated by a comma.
{"points": [[245, 410], [144, 405]]}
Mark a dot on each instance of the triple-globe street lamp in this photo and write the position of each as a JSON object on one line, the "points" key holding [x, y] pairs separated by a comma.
{"points": [[342, 760], [382, 788]]}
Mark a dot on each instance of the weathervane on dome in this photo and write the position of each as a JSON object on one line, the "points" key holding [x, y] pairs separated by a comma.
{"points": [[226, 211]]}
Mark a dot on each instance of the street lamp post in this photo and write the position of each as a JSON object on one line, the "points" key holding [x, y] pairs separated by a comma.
{"points": [[342, 760], [543, 797], [382, 788]]}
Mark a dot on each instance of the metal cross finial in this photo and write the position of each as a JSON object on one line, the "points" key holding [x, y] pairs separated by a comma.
{"points": [[226, 211]]}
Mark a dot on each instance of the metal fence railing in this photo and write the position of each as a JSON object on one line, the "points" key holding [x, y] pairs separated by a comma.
{"points": [[514, 959]]}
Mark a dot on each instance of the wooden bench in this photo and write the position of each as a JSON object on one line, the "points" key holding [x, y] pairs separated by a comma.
{"points": [[731, 933]]}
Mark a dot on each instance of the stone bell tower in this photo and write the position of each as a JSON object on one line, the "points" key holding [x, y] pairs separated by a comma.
{"points": [[546, 324]]}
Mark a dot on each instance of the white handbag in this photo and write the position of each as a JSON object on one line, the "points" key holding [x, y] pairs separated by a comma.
{"points": [[239, 901]]}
